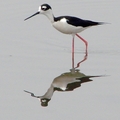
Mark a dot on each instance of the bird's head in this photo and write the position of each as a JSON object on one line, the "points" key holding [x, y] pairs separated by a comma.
{"points": [[43, 9], [44, 102]]}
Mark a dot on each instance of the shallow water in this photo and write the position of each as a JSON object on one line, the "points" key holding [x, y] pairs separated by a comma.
{"points": [[32, 54]]}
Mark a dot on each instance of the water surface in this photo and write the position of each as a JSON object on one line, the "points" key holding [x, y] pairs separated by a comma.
{"points": [[32, 54]]}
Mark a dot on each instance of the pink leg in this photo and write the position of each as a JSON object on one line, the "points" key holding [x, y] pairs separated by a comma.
{"points": [[86, 43], [73, 53]]}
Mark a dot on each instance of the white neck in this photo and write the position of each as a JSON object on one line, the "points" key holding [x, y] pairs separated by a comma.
{"points": [[49, 15], [49, 93]]}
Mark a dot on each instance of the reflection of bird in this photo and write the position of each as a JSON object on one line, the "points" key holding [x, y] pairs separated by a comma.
{"points": [[65, 82], [66, 24]]}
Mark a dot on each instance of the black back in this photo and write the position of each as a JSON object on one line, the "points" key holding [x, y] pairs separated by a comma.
{"points": [[78, 22]]}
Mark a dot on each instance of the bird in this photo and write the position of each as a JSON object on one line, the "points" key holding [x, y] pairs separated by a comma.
{"points": [[67, 24], [65, 82]]}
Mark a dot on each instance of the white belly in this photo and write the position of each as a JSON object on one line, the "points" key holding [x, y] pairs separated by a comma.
{"points": [[62, 81], [67, 28]]}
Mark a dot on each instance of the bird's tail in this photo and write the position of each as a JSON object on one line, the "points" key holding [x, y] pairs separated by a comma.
{"points": [[102, 23], [87, 78]]}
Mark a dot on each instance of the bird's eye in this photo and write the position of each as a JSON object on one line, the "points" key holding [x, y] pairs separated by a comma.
{"points": [[43, 100], [44, 8]]}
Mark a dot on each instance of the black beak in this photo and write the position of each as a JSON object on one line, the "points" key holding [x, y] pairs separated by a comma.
{"points": [[32, 15]]}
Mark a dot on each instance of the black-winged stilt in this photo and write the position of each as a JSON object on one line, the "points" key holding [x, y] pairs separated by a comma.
{"points": [[67, 24], [65, 82]]}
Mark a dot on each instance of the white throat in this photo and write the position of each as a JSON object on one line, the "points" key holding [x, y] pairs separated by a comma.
{"points": [[49, 15]]}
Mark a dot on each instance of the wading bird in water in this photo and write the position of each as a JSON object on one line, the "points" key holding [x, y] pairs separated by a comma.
{"points": [[67, 24]]}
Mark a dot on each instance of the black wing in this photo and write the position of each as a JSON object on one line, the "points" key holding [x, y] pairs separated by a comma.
{"points": [[87, 78], [79, 22]]}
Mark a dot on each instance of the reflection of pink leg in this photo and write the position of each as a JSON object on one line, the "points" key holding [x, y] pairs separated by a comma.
{"points": [[86, 43], [73, 53], [85, 58]]}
